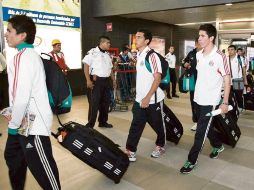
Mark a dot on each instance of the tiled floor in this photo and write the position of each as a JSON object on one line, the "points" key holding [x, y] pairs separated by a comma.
{"points": [[233, 170]]}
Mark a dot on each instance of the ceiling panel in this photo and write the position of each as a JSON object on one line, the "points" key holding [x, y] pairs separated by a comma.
{"points": [[200, 14]]}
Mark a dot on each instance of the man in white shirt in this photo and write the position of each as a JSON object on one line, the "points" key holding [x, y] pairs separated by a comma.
{"points": [[212, 70], [98, 70], [148, 98], [28, 95], [238, 70], [171, 59]]}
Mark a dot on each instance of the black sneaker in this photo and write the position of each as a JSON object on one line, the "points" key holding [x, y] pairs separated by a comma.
{"points": [[105, 125], [216, 151], [169, 97], [187, 167], [175, 96]]}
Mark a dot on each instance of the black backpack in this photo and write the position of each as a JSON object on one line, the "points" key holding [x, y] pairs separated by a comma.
{"points": [[165, 77], [59, 91]]}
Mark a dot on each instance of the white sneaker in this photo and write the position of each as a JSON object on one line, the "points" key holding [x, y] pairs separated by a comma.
{"points": [[194, 127], [131, 155], [158, 151]]}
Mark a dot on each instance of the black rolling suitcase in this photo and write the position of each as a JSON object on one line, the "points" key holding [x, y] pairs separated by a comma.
{"points": [[235, 112], [229, 132], [94, 149], [174, 128], [249, 100]]}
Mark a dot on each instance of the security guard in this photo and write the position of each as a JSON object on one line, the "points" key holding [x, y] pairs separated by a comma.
{"points": [[97, 69]]}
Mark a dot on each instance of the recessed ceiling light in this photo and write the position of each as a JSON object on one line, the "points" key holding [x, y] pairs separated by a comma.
{"points": [[229, 4]]}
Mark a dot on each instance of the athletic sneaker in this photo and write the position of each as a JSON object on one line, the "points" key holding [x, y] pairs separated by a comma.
{"points": [[131, 155], [216, 151], [194, 127], [187, 167], [158, 151]]}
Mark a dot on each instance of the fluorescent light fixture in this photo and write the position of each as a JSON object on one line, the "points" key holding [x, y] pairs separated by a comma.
{"points": [[237, 20], [240, 43], [195, 23], [228, 4]]}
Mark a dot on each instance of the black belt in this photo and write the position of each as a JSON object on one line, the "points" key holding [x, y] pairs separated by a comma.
{"points": [[99, 78]]}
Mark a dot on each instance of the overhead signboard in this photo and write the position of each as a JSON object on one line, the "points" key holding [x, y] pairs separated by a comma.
{"points": [[43, 18], [54, 20]]}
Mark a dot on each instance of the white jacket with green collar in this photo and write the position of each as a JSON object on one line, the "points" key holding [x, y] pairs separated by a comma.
{"points": [[28, 91]]}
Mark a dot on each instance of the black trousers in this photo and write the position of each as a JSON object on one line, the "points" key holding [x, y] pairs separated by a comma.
{"points": [[173, 80], [205, 129], [239, 97], [140, 117], [34, 152], [193, 107], [99, 100], [193, 104]]}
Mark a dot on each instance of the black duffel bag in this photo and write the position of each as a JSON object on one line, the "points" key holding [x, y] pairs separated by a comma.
{"points": [[94, 149], [229, 132], [173, 127]]}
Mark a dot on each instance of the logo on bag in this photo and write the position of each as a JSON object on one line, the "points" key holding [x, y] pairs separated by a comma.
{"points": [[29, 145]]}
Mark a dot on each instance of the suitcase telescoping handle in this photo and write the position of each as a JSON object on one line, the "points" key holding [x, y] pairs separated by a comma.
{"points": [[57, 134], [218, 111]]}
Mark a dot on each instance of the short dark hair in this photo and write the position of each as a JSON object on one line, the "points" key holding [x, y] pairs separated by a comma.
{"points": [[147, 34], [239, 49], [23, 23], [125, 49], [102, 38], [171, 46], [210, 30], [232, 46]]}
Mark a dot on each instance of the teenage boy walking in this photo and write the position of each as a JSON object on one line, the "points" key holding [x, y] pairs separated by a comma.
{"points": [[212, 70]]}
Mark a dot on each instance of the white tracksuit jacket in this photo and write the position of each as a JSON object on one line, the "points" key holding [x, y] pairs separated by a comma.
{"points": [[28, 92]]}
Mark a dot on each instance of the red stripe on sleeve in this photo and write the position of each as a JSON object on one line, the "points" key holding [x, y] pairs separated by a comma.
{"points": [[154, 63], [225, 63], [16, 63]]}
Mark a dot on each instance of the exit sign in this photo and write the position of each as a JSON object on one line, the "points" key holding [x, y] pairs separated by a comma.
{"points": [[109, 27]]}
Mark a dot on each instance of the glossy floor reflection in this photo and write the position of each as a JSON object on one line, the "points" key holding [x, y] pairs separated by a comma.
{"points": [[233, 170]]}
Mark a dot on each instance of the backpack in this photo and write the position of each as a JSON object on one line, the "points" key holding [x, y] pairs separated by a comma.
{"points": [[59, 91], [165, 77]]}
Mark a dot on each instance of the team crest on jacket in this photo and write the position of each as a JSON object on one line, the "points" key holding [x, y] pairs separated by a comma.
{"points": [[211, 63]]}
